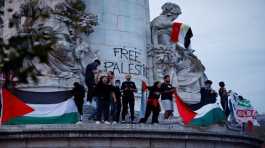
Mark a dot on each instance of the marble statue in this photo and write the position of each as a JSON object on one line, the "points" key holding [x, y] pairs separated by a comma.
{"points": [[70, 24], [1, 17], [166, 57]]}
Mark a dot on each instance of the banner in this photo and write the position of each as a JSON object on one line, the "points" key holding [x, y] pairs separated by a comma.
{"points": [[241, 110]]}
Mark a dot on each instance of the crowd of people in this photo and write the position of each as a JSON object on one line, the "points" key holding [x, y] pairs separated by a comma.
{"points": [[113, 97]]}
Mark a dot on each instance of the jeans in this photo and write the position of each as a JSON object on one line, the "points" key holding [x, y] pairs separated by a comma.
{"points": [[155, 110], [125, 103], [117, 111], [94, 104], [103, 108]]}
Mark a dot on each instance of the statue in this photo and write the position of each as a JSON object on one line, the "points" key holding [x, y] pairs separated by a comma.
{"points": [[1, 17], [175, 59], [69, 24]]}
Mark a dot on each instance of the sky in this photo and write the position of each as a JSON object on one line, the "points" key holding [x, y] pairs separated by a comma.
{"points": [[229, 38]]}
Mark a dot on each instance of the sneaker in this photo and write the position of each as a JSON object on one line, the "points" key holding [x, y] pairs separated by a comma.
{"points": [[155, 123], [107, 122], [79, 122], [123, 121], [97, 122], [114, 122]]}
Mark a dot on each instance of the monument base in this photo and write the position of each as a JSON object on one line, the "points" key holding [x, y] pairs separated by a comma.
{"points": [[123, 135]]}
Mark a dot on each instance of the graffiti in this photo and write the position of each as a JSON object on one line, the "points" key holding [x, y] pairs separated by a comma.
{"points": [[127, 61]]}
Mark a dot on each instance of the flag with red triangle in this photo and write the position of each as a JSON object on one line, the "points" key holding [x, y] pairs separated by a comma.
{"points": [[12, 106], [185, 112], [27, 107], [204, 116]]}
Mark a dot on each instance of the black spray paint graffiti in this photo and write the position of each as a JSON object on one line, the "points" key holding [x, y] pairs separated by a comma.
{"points": [[130, 62]]}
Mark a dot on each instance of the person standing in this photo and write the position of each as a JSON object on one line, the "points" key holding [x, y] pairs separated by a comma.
{"points": [[153, 105], [79, 95], [208, 95], [167, 91], [128, 89], [117, 104], [104, 92], [91, 70], [224, 98], [111, 77]]}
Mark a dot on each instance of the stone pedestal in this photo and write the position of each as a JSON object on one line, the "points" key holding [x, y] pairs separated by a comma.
{"points": [[124, 136]]}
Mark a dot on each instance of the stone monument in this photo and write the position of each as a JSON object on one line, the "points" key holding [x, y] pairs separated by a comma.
{"points": [[69, 23], [166, 57], [123, 40], [122, 36], [126, 43]]}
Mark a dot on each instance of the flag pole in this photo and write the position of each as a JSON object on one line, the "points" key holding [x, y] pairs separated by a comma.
{"points": [[1, 96], [2, 85]]}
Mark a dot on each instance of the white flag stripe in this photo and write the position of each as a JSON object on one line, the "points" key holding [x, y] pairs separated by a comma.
{"points": [[51, 110], [205, 109]]}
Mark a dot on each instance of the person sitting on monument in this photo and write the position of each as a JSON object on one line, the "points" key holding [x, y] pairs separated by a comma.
{"points": [[91, 70], [224, 98], [104, 92], [128, 89], [153, 105], [208, 95], [79, 95]]}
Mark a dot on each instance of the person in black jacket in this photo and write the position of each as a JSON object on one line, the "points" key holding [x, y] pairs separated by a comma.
{"points": [[208, 95], [104, 92], [128, 89], [79, 95], [153, 105], [91, 69], [224, 97], [167, 91], [117, 104]]}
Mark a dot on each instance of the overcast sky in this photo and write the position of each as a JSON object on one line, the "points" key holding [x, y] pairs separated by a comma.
{"points": [[229, 38]]}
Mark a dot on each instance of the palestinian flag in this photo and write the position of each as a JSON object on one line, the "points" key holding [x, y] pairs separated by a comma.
{"points": [[181, 33], [207, 115], [24, 107], [204, 116]]}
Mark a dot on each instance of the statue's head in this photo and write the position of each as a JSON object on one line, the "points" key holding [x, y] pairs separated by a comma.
{"points": [[171, 10]]}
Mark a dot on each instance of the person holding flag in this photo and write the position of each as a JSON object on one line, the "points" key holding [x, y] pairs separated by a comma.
{"points": [[167, 91], [153, 105]]}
